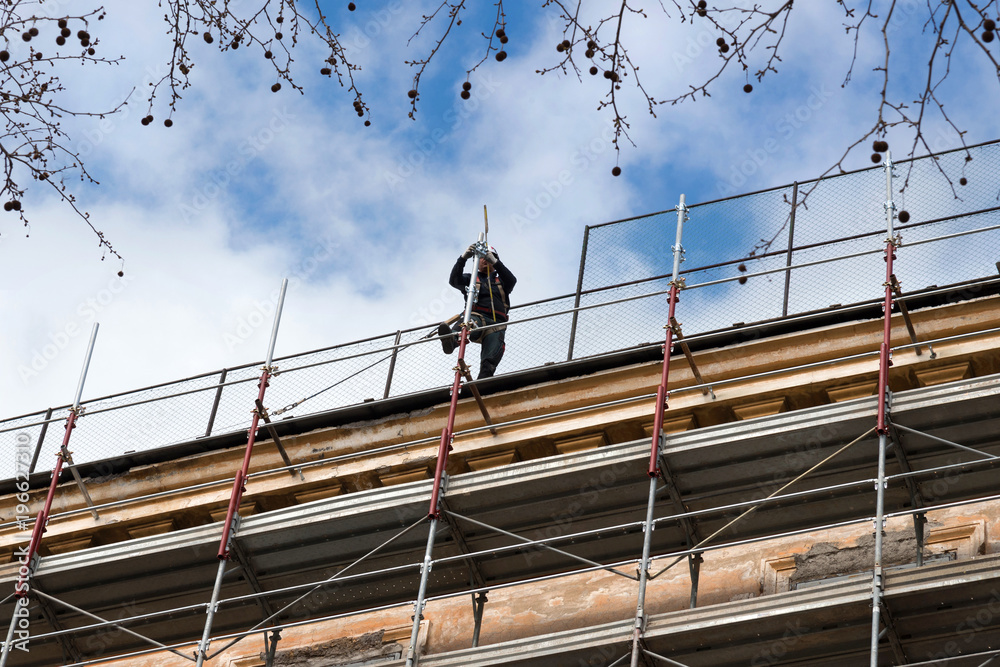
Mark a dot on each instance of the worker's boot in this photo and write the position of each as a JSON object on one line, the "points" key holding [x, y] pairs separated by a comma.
{"points": [[447, 338]]}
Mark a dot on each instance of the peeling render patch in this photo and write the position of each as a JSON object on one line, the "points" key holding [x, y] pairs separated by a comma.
{"points": [[345, 651], [825, 560]]}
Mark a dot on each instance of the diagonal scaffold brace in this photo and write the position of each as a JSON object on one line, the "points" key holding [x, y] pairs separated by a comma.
{"points": [[28, 559], [440, 474], [657, 439], [232, 513]]}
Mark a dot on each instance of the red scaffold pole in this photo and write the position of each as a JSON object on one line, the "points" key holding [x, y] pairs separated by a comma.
{"points": [[661, 391], [26, 557], [446, 433], [239, 486], [21, 588], [434, 513], [654, 448], [884, 359]]}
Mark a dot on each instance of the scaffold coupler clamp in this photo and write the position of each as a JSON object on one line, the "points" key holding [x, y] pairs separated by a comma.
{"points": [[77, 411], [679, 250], [420, 612], [682, 208]]}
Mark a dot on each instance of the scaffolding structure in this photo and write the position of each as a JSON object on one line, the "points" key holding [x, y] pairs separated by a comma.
{"points": [[482, 526]]}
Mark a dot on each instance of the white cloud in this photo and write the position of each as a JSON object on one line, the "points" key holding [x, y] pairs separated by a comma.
{"points": [[249, 187]]}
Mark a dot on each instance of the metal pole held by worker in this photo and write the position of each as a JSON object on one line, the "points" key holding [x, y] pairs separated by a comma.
{"points": [[444, 447], [654, 449]]}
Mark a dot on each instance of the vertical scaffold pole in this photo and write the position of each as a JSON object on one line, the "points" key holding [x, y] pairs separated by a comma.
{"points": [[27, 560], [885, 360], [654, 449], [232, 513], [444, 447]]}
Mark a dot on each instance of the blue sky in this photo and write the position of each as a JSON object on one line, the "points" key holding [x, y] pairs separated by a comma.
{"points": [[250, 186]]}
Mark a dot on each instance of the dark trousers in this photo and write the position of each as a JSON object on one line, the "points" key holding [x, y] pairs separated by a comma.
{"points": [[493, 347], [491, 354]]}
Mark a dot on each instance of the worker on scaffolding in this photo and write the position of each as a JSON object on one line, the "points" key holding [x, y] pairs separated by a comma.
{"points": [[494, 282]]}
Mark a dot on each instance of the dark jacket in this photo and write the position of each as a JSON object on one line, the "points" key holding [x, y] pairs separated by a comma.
{"points": [[503, 282]]}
